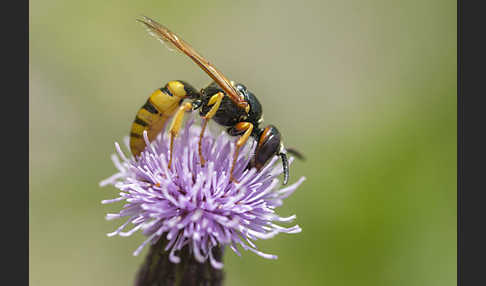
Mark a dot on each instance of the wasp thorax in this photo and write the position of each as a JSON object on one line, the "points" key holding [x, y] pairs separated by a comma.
{"points": [[255, 113]]}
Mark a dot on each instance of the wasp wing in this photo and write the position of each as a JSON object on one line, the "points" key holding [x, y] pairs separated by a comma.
{"points": [[175, 42]]}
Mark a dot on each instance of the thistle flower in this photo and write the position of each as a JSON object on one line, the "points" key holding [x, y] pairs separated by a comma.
{"points": [[198, 206]]}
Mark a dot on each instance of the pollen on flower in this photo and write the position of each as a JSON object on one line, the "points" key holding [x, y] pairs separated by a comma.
{"points": [[195, 206]]}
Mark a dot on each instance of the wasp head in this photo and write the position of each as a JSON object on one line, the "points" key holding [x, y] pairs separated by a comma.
{"points": [[269, 145]]}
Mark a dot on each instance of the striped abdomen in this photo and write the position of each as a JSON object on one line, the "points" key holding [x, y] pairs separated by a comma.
{"points": [[153, 115]]}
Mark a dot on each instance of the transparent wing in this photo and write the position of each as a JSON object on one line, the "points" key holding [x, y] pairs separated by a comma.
{"points": [[173, 41]]}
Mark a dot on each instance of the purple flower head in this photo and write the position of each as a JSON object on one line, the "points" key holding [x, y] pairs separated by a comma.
{"points": [[194, 205]]}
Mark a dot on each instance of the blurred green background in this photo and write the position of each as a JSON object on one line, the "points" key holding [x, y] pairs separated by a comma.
{"points": [[366, 89]]}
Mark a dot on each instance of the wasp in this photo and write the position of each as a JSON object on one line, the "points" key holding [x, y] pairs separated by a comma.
{"points": [[227, 103]]}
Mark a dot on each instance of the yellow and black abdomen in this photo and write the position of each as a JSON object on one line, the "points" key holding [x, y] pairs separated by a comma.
{"points": [[153, 115]]}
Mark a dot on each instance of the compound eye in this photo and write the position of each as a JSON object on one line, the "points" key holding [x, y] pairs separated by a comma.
{"points": [[268, 146], [241, 88]]}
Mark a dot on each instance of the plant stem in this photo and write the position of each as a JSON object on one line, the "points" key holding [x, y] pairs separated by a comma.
{"points": [[157, 270]]}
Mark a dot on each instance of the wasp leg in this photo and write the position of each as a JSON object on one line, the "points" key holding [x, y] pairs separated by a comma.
{"points": [[176, 125], [247, 128], [215, 101]]}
